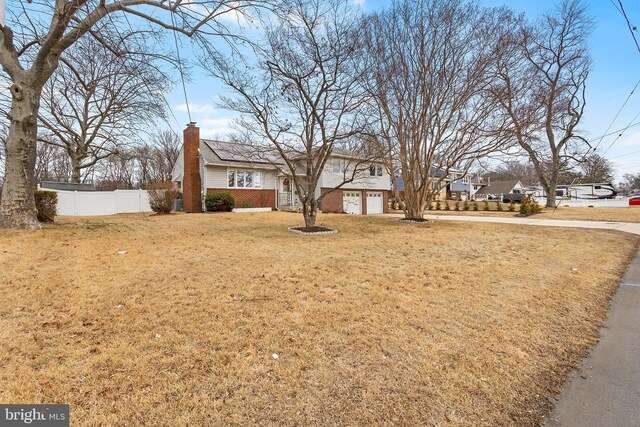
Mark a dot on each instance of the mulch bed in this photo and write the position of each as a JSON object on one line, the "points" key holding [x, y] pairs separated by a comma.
{"points": [[312, 230], [414, 220]]}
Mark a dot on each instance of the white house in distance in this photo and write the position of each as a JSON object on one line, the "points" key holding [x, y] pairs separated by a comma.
{"points": [[206, 166]]}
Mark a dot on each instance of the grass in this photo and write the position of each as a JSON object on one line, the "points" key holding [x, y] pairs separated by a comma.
{"points": [[628, 214], [384, 323]]}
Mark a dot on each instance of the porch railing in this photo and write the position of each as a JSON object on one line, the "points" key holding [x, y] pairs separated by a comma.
{"points": [[285, 199]]}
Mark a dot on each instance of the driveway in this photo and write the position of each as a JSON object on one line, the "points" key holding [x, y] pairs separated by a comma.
{"points": [[627, 227]]}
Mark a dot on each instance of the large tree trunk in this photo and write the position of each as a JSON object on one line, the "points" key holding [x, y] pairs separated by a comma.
{"points": [[75, 170], [17, 208], [414, 206], [310, 211], [551, 194]]}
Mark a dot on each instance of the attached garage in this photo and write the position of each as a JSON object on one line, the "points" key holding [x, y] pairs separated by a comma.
{"points": [[375, 202], [352, 202]]}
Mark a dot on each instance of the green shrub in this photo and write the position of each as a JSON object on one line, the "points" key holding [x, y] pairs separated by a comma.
{"points": [[438, 207], [465, 206], [446, 205], [486, 205], [475, 206], [162, 196], [499, 206], [46, 205], [529, 206], [221, 201], [512, 207], [457, 206]]}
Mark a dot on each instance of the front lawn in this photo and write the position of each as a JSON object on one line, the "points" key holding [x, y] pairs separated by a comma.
{"points": [[229, 319]]}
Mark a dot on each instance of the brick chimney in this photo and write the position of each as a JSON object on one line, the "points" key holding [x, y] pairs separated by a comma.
{"points": [[191, 181]]}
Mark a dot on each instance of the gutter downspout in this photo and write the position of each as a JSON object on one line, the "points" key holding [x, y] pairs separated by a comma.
{"points": [[203, 174], [276, 190]]}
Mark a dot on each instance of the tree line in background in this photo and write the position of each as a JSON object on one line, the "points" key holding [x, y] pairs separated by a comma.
{"points": [[430, 85]]}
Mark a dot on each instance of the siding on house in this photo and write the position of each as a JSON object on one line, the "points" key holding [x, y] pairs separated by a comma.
{"points": [[178, 168], [217, 177], [329, 179]]}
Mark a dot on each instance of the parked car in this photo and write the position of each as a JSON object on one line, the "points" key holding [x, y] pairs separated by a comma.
{"points": [[634, 201], [513, 197]]}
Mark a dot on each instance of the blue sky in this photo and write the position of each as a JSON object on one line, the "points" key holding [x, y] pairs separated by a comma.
{"points": [[616, 70]]}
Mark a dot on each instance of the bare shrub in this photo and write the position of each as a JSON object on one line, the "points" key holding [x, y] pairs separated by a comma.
{"points": [[162, 196]]}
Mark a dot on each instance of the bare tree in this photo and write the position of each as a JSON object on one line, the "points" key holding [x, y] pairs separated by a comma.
{"points": [[429, 65], [300, 100], [542, 72], [97, 100], [630, 183], [52, 163], [32, 41], [595, 168]]}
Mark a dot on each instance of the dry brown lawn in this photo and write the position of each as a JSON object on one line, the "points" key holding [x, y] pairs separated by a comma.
{"points": [[384, 323], [630, 214]]}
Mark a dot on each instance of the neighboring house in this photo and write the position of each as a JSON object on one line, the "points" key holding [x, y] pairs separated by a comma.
{"points": [[205, 166], [437, 174], [465, 188], [497, 189]]}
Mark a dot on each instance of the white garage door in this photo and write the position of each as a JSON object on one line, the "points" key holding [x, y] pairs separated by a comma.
{"points": [[375, 202], [351, 203]]}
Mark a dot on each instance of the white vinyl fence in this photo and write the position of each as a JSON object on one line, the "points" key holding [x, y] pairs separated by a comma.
{"points": [[584, 203], [92, 203]]}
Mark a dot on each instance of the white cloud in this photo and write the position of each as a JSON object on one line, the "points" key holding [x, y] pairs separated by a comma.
{"points": [[196, 108], [359, 3]]}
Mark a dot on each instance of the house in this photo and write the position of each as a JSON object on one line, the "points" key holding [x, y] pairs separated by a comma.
{"points": [[465, 188], [497, 189], [67, 186], [206, 166], [436, 173]]}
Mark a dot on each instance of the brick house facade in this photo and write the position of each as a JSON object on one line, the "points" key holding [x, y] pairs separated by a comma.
{"points": [[207, 166]]}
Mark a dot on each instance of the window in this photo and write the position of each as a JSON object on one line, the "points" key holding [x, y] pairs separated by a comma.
{"points": [[375, 170], [598, 187], [243, 179], [335, 165]]}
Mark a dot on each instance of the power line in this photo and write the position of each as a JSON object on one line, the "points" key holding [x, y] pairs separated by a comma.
{"points": [[617, 115], [624, 155], [631, 27], [184, 86], [613, 132], [622, 132]]}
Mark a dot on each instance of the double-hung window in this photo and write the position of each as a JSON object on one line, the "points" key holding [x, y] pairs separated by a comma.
{"points": [[375, 170], [243, 178]]}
